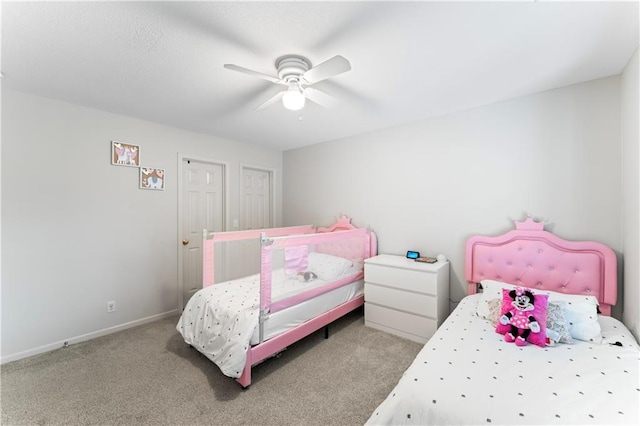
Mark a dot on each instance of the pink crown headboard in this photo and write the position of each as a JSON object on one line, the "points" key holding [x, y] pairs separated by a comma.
{"points": [[531, 257], [348, 249]]}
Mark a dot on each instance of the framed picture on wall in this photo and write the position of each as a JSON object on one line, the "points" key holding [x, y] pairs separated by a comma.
{"points": [[151, 178], [125, 154]]}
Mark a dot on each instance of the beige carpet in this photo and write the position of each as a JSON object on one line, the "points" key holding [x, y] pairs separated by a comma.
{"points": [[148, 375]]}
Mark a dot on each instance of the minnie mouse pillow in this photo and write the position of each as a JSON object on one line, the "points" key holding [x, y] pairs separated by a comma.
{"points": [[523, 317]]}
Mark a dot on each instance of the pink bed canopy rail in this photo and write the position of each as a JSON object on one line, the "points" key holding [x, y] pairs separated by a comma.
{"points": [[531, 257]]}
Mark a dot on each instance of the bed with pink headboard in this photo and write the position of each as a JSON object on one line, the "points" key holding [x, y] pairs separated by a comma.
{"points": [[305, 278], [584, 372], [529, 256]]}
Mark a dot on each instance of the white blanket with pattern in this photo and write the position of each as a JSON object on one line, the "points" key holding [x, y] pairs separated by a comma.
{"points": [[468, 375], [219, 320]]}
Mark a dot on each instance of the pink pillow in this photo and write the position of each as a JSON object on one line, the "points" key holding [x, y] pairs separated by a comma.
{"points": [[539, 312]]}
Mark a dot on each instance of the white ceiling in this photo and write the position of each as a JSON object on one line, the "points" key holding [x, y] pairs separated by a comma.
{"points": [[163, 61]]}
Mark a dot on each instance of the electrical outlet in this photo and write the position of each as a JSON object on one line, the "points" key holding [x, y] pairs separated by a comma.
{"points": [[111, 306]]}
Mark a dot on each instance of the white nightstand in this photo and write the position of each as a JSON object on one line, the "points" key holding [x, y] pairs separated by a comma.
{"points": [[405, 297]]}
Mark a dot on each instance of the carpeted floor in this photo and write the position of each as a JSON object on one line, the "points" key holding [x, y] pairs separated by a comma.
{"points": [[148, 375]]}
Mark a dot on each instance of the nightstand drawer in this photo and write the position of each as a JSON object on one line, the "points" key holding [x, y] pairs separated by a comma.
{"points": [[421, 304], [405, 279], [397, 320]]}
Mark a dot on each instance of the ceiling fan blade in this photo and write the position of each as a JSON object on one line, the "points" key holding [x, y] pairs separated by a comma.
{"points": [[271, 101], [320, 97], [329, 68], [253, 73]]}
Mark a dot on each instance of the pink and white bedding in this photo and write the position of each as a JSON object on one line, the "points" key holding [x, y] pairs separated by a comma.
{"points": [[468, 375], [586, 371], [221, 320]]}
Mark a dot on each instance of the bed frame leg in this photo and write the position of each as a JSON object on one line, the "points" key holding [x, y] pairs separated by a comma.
{"points": [[245, 378], [326, 331]]}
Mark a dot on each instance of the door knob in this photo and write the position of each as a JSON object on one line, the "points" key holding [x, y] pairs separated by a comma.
{"points": [[185, 242]]}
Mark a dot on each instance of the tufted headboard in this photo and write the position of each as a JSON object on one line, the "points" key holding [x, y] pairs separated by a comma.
{"points": [[531, 257], [350, 249]]}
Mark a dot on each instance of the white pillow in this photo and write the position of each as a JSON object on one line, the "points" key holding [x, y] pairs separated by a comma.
{"points": [[328, 267], [581, 311], [490, 290]]}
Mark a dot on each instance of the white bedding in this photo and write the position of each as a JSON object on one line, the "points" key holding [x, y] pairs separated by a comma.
{"points": [[467, 374], [221, 320]]}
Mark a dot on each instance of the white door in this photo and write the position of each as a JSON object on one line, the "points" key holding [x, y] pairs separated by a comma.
{"points": [[256, 198], [256, 212], [202, 208]]}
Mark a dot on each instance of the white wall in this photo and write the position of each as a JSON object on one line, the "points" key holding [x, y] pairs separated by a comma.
{"points": [[430, 185], [77, 231], [631, 194]]}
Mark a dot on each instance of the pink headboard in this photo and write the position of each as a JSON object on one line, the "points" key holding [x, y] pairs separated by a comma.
{"points": [[531, 257], [343, 223]]}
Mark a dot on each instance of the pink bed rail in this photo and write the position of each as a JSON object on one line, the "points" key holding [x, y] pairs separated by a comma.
{"points": [[357, 245], [210, 238]]}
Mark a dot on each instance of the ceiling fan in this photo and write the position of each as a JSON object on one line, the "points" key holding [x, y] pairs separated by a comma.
{"points": [[296, 73]]}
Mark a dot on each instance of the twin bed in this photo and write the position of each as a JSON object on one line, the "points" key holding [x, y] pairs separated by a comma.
{"points": [[584, 372], [266, 289]]}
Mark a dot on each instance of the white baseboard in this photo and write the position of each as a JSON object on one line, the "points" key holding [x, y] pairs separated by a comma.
{"points": [[85, 337]]}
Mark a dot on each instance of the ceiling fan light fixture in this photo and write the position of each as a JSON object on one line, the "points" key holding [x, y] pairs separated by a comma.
{"points": [[293, 99], [295, 72]]}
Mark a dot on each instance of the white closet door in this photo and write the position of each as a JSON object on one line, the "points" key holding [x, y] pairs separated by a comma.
{"points": [[256, 213], [256, 198], [202, 208]]}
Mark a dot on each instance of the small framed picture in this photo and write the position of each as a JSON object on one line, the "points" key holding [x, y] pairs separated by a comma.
{"points": [[125, 154], [151, 178]]}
